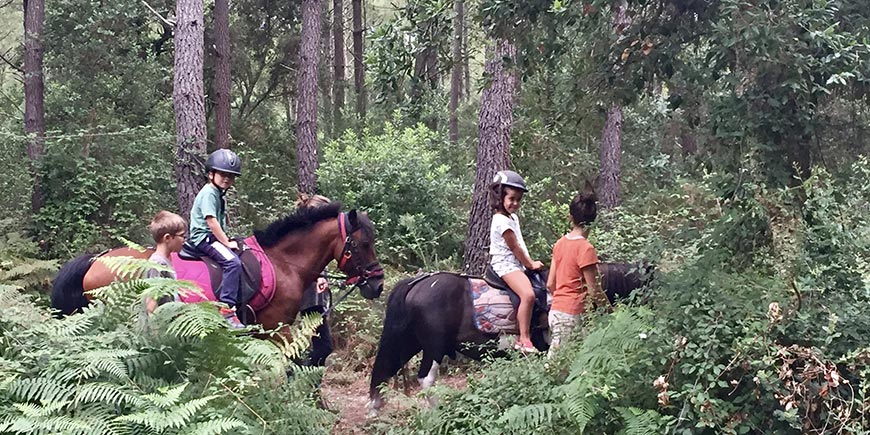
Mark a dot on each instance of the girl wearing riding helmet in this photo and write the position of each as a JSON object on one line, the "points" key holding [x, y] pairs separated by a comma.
{"points": [[509, 256], [208, 220]]}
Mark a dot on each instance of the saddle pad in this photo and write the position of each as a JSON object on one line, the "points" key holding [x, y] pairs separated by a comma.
{"points": [[198, 272], [493, 311]]}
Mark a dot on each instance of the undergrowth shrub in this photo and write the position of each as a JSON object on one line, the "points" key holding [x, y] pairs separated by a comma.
{"points": [[110, 370], [398, 177], [738, 335]]}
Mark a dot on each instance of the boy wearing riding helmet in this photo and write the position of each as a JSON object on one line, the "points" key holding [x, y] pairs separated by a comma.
{"points": [[509, 256], [208, 219]]}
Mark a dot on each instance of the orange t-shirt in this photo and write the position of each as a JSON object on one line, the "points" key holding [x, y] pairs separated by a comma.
{"points": [[570, 256]]}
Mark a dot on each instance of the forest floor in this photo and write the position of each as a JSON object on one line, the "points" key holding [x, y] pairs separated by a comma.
{"points": [[348, 395]]}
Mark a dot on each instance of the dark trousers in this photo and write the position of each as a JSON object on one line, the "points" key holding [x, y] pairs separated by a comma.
{"points": [[321, 344], [230, 264]]}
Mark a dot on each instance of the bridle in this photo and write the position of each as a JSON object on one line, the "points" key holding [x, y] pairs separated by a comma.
{"points": [[358, 274]]}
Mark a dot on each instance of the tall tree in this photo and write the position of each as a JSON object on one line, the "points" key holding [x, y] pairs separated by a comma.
{"points": [[337, 63], [189, 101], [222, 79], [493, 149], [456, 72], [611, 135], [611, 147], [358, 66], [34, 93], [306, 97]]}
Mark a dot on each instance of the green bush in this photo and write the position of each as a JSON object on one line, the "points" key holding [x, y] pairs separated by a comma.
{"points": [[110, 370], [398, 177]]}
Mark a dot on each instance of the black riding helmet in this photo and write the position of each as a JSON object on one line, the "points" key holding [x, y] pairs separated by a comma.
{"points": [[224, 160], [510, 178]]}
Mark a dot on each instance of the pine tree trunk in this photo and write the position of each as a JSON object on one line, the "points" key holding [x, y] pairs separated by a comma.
{"points": [[611, 135], [338, 64], [493, 150], [188, 98], [222, 79], [34, 95], [456, 73], [358, 67], [324, 70], [466, 71], [306, 97], [611, 146]]}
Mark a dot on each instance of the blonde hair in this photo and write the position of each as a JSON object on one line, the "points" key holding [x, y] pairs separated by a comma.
{"points": [[305, 200], [166, 222]]}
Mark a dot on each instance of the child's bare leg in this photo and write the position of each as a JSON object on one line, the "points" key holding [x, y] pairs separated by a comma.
{"points": [[520, 284]]}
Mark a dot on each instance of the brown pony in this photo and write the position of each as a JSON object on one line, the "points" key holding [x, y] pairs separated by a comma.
{"points": [[299, 246]]}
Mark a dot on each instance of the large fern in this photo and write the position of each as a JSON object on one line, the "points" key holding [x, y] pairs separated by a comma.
{"points": [[111, 370]]}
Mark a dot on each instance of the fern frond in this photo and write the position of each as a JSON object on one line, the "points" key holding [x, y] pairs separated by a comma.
{"points": [[529, 418], [580, 407], [106, 393], [191, 320], [70, 326], [168, 396], [18, 307], [176, 417], [40, 390], [214, 427], [127, 268], [640, 421]]}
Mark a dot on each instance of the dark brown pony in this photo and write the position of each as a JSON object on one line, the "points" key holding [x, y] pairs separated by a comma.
{"points": [[435, 315], [299, 246]]}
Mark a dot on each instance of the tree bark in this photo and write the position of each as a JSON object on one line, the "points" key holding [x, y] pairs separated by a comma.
{"points": [[222, 81], [338, 64], [456, 72], [493, 151], [611, 146], [358, 66], [306, 98], [611, 135], [189, 101], [324, 73], [34, 94], [465, 59]]}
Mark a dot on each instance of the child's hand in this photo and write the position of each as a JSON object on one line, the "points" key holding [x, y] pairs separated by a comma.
{"points": [[233, 245], [536, 265], [322, 284]]}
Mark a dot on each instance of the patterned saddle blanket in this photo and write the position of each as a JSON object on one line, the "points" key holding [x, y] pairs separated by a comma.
{"points": [[494, 312]]}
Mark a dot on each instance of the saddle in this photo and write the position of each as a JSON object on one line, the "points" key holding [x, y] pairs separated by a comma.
{"points": [[251, 279], [539, 286]]}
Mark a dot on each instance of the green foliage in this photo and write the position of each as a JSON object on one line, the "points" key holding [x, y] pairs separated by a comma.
{"points": [[111, 370], [408, 191]]}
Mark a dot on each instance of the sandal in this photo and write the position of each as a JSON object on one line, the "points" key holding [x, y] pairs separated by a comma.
{"points": [[525, 347]]}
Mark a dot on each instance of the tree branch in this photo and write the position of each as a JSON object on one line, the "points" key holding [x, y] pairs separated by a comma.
{"points": [[165, 21], [8, 62]]}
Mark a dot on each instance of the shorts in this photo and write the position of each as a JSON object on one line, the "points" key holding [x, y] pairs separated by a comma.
{"points": [[561, 326], [503, 268]]}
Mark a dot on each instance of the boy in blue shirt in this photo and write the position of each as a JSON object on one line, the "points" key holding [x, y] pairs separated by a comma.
{"points": [[208, 219]]}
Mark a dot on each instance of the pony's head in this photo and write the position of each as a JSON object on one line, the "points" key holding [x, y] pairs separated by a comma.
{"points": [[358, 259]]}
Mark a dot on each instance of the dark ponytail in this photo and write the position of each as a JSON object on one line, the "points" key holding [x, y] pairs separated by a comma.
{"points": [[584, 207]]}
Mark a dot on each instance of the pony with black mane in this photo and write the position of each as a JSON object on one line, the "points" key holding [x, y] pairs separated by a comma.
{"points": [[288, 254], [434, 313]]}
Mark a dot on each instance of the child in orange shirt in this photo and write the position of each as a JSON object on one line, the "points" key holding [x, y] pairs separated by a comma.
{"points": [[574, 271]]}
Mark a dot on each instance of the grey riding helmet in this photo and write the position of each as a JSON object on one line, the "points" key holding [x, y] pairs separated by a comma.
{"points": [[510, 178], [224, 160]]}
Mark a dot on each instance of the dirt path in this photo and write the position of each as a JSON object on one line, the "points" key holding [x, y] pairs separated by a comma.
{"points": [[348, 395]]}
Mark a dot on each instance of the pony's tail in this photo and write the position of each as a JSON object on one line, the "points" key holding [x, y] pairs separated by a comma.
{"points": [[67, 290], [389, 357]]}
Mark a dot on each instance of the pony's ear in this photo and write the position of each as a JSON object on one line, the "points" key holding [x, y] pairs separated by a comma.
{"points": [[353, 218]]}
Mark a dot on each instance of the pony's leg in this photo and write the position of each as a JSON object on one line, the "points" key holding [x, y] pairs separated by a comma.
{"points": [[430, 376]]}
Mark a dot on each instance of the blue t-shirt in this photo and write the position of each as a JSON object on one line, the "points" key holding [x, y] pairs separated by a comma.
{"points": [[209, 202]]}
